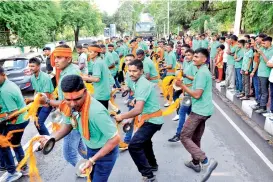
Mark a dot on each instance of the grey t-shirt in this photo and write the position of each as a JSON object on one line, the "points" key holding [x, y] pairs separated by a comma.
{"points": [[82, 59]]}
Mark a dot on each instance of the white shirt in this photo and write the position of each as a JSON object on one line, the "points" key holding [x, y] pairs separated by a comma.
{"points": [[271, 72], [225, 52]]}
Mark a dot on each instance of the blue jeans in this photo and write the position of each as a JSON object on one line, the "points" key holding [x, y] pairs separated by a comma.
{"points": [[72, 146], [43, 113], [182, 117], [271, 96], [141, 148], [129, 134], [238, 82], [117, 85], [255, 80], [263, 86], [6, 156], [103, 167]]}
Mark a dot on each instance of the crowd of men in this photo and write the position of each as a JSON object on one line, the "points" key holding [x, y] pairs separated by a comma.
{"points": [[131, 64]]}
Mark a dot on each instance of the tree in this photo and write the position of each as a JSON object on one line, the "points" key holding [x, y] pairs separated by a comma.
{"points": [[31, 22], [81, 14]]}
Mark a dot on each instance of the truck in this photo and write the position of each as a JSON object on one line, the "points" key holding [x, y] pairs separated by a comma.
{"points": [[146, 26]]}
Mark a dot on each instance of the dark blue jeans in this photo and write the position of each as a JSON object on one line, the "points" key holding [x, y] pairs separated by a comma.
{"points": [[255, 80], [239, 81], [129, 134], [176, 95], [103, 167], [6, 156], [183, 111], [43, 113], [263, 90], [116, 85], [141, 148]]}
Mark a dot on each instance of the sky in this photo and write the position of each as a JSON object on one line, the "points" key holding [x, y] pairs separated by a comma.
{"points": [[110, 6]]}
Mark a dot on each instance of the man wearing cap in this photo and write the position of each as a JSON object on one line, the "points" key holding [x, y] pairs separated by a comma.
{"points": [[61, 59], [100, 76], [97, 130], [149, 67]]}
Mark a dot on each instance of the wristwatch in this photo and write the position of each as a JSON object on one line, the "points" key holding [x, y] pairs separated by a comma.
{"points": [[48, 101], [92, 161]]}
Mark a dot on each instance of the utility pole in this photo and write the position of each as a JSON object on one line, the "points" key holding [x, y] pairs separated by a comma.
{"points": [[238, 15], [168, 25]]}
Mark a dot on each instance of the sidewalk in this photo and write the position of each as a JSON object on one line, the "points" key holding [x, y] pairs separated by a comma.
{"points": [[265, 124]]}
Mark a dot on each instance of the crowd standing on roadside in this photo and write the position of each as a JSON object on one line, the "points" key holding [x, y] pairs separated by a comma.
{"points": [[138, 67]]}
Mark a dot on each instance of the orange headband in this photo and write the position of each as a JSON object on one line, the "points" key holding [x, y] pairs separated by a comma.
{"points": [[74, 95], [64, 52], [96, 49]]}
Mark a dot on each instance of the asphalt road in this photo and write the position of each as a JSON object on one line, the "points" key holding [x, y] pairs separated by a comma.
{"points": [[241, 154]]}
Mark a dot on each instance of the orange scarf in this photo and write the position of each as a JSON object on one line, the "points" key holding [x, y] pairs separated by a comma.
{"points": [[66, 110], [134, 51], [59, 51]]}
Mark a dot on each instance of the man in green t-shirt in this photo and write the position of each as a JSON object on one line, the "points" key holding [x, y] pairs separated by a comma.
{"points": [[41, 83], [11, 100], [100, 77], [213, 51], [238, 58], [72, 145], [266, 53], [149, 67], [92, 120], [204, 42], [147, 104], [202, 109], [116, 60], [230, 71]]}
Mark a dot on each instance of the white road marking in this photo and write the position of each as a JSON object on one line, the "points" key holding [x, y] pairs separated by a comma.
{"points": [[251, 144]]}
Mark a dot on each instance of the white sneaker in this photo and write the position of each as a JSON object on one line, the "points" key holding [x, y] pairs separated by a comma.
{"points": [[166, 104], [8, 177], [176, 118]]}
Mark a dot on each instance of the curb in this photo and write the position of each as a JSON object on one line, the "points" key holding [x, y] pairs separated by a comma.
{"points": [[261, 124]]}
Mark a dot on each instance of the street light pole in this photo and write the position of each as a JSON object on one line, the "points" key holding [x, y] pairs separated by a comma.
{"points": [[238, 15], [168, 26]]}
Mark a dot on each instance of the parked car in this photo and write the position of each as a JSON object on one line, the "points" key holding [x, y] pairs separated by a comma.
{"points": [[16, 69]]}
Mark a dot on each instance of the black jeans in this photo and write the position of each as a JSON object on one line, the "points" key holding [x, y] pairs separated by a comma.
{"points": [[104, 102], [176, 95], [141, 148], [224, 70]]}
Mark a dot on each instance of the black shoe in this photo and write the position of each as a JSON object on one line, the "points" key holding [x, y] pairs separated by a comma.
{"points": [[155, 168], [196, 168], [176, 138], [256, 107], [2, 168], [208, 168], [118, 112]]}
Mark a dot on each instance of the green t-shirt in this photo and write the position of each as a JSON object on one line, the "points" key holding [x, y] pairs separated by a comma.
{"points": [[90, 65], [142, 45], [145, 91], [263, 70], [109, 60], [129, 82], [204, 43], [202, 80], [248, 56], [116, 61], [42, 84], [149, 68], [171, 60], [102, 88], [11, 99], [240, 54], [189, 69], [195, 44], [230, 58], [125, 49], [213, 49], [69, 70], [101, 127]]}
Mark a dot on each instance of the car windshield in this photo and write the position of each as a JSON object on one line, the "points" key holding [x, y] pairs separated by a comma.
{"points": [[15, 64], [144, 27]]}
